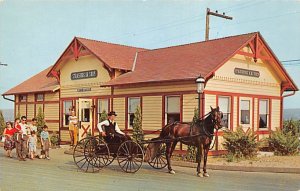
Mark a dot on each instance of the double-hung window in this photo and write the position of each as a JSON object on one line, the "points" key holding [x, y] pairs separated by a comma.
{"points": [[263, 113], [245, 111], [102, 106], [172, 109], [67, 107], [224, 104], [133, 104]]}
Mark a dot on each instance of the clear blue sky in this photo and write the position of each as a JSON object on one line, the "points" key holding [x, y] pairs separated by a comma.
{"points": [[33, 34]]}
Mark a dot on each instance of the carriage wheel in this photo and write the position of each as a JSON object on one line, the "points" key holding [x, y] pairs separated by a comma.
{"points": [[130, 156], [79, 155], [159, 161], [109, 160]]}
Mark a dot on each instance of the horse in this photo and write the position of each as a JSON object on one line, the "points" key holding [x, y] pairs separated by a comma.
{"points": [[199, 134]]}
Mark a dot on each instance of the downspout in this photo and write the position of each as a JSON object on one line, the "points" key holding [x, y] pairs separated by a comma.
{"points": [[7, 98]]}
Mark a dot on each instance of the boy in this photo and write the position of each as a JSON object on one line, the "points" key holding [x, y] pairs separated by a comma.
{"points": [[45, 141]]}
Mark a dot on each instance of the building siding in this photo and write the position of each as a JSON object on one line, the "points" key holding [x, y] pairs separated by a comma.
{"points": [[152, 112]]}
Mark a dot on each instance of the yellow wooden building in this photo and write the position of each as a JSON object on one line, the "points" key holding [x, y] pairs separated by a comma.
{"points": [[243, 77]]}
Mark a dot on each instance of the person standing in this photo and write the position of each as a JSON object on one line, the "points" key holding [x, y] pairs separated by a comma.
{"points": [[45, 141], [22, 149], [9, 144], [31, 144], [33, 126], [73, 129]]}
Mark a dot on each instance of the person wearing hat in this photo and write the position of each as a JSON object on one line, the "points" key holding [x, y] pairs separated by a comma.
{"points": [[112, 132]]}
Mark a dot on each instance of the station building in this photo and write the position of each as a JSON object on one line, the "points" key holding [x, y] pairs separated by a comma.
{"points": [[242, 76]]}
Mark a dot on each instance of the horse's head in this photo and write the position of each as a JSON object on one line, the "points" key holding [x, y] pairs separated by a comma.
{"points": [[216, 116]]}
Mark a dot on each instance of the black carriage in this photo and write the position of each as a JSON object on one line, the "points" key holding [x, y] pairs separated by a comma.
{"points": [[93, 153]]}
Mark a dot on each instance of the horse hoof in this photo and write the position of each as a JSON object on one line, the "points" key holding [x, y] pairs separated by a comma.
{"points": [[172, 172], [205, 174], [199, 175]]}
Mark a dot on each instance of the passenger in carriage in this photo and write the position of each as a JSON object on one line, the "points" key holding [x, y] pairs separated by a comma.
{"points": [[111, 132]]}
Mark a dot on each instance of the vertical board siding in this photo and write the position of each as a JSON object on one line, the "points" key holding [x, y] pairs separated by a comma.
{"points": [[22, 109], [152, 116], [190, 103], [275, 114], [119, 108]]}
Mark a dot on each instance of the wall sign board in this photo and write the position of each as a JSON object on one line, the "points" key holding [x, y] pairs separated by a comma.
{"points": [[84, 89], [246, 72], [84, 74]]}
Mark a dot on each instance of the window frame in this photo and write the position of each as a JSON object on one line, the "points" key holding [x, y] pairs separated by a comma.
{"points": [[21, 98], [229, 110], [98, 105], [167, 114], [267, 113], [130, 114], [66, 119], [241, 113], [37, 95]]}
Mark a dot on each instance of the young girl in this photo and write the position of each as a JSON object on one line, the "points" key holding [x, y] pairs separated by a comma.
{"points": [[45, 140], [31, 144]]}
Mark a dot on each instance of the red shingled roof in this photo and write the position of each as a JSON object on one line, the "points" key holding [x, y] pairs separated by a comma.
{"points": [[114, 55], [183, 62], [38, 83]]}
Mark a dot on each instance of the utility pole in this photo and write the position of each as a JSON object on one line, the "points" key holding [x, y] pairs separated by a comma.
{"points": [[208, 12]]}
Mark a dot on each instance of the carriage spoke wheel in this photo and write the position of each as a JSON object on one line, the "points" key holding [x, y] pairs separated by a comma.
{"points": [[80, 156], [130, 156], [159, 161], [101, 152]]}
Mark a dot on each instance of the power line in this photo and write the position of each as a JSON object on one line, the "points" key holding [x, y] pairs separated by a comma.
{"points": [[296, 60]]}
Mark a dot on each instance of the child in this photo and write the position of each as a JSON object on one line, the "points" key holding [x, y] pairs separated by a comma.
{"points": [[31, 144], [45, 140]]}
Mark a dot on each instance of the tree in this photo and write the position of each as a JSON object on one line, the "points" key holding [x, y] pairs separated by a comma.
{"points": [[191, 150], [138, 133], [2, 123], [40, 120], [103, 116]]}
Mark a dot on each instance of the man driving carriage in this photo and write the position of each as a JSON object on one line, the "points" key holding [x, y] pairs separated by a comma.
{"points": [[111, 131]]}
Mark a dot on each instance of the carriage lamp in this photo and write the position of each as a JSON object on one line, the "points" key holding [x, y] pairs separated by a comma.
{"points": [[200, 84], [200, 81]]}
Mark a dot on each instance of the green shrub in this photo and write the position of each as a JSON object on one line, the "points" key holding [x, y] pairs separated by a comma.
{"points": [[240, 144], [284, 142], [192, 150], [137, 130], [2, 123], [54, 139]]}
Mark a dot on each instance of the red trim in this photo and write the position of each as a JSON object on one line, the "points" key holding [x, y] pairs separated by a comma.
{"points": [[241, 94], [238, 111], [216, 133], [270, 115], [264, 132], [93, 117], [59, 117], [163, 111], [126, 113], [281, 113], [253, 113], [231, 112], [112, 98], [38, 102], [257, 128], [181, 108]]}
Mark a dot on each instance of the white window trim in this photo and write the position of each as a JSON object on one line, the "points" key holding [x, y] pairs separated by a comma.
{"points": [[268, 113], [128, 113], [251, 111], [166, 107], [229, 108]]}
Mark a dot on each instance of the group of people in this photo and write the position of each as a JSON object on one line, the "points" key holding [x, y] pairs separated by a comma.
{"points": [[23, 137]]}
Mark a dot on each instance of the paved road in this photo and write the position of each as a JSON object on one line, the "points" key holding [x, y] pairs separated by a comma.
{"points": [[61, 174]]}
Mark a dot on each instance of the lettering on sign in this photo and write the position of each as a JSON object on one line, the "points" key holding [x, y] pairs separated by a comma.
{"points": [[245, 72], [84, 89], [84, 74]]}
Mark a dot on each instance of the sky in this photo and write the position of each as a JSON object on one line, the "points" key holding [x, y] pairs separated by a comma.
{"points": [[33, 34]]}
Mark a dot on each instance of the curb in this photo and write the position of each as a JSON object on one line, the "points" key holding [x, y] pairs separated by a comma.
{"points": [[240, 168]]}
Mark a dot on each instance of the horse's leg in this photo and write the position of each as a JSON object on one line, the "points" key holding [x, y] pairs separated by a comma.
{"points": [[199, 153], [206, 149], [169, 150]]}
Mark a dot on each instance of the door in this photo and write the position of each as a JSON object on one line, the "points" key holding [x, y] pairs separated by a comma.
{"points": [[85, 117]]}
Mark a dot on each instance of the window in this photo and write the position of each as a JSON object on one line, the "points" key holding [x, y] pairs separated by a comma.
{"points": [[172, 109], [224, 104], [133, 103], [102, 106], [245, 112], [67, 107], [263, 113], [39, 97], [22, 98]]}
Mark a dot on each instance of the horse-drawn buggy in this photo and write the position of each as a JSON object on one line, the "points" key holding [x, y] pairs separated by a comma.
{"points": [[93, 153]]}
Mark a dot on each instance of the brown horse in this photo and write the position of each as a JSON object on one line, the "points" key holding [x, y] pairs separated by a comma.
{"points": [[199, 134]]}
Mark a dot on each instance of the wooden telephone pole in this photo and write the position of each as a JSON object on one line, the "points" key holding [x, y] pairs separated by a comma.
{"points": [[208, 12]]}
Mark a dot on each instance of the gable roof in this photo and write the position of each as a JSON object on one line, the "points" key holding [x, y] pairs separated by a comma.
{"points": [[37, 83], [187, 62], [183, 62], [114, 56]]}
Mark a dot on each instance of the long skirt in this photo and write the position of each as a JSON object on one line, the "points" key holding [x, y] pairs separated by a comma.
{"points": [[9, 143]]}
